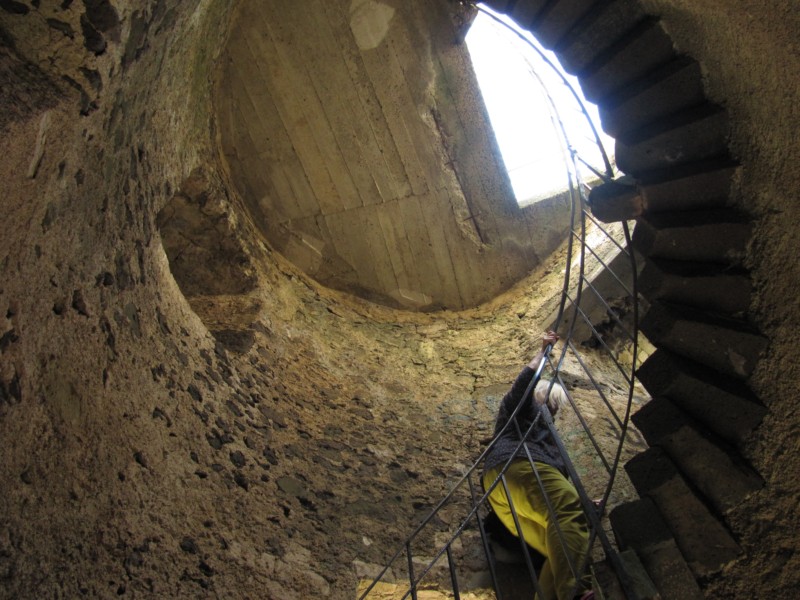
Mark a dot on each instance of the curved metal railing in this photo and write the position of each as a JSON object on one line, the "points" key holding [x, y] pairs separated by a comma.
{"points": [[578, 294]]}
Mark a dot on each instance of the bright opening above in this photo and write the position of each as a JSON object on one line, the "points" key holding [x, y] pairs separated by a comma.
{"points": [[532, 110]]}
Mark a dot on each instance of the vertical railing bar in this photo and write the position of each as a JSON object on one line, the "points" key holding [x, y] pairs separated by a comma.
{"points": [[550, 510], [631, 381], [581, 419], [486, 546], [413, 588], [607, 231], [606, 235], [585, 560], [613, 557], [603, 176], [453, 575], [598, 142], [462, 526], [525, 550], [588, 507], [591, 513]]}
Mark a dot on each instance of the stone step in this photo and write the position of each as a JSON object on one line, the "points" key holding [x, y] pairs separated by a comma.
{"points": [[667, 90], [616, 201], [725, 407], [693, 186], [639, 526], [708, 287], [596, 32], [731, 347], [524, 12], [606, 582], [702, 539], [697, 186], [711, 465], [557, 18], [643, 49], [694, 134], [710, 236]]}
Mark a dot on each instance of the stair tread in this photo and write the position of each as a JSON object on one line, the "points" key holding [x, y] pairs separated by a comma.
{"points": [[732, 347], [703, 540], [709, 287], [644, 48], [661, 94], [714, 467], [556, 19], [723, 405], [597, 31]]}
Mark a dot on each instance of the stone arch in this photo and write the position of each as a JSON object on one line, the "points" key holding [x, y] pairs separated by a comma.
{"points": [[211, 266]]}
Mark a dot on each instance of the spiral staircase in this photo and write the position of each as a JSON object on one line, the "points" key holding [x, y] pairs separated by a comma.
{"points": [[690, 239]]}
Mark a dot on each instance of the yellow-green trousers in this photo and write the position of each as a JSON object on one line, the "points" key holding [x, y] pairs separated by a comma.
{"points": [[556, 579]]}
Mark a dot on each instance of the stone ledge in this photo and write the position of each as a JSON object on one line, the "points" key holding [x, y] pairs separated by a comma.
{"points": [[639, 525], [718, 472], [724, 407], [728, 346], [703, 541]]}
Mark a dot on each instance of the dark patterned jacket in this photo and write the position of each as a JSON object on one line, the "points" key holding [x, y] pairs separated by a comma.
{"points": [[539, 442]]}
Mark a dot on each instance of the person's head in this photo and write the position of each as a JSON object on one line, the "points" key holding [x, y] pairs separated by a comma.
{"points": [[555, 400]]}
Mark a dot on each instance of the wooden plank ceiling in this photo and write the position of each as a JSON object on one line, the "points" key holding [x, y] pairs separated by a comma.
{"points": [[357, 138]]}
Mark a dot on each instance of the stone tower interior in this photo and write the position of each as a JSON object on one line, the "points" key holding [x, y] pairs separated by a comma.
{"points": [[263, 276]]}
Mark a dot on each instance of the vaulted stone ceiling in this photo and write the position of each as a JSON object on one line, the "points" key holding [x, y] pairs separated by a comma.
{"points": [[357, 137]]}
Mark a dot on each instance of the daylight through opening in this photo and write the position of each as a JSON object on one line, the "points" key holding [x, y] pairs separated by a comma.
{"points": [[537, 119]]}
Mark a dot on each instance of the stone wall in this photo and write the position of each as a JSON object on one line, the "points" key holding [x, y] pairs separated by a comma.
{"points": [[274, 439], [205, 426]]}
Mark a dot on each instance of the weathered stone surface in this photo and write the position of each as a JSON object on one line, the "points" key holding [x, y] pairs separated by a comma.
{"points": [[196, 230], [709, 287], [644, 48], [666, 90], [612, 202], [703, 541], [689, 136], [15, 7], [607, 580], [723, 406], [24, 88], [717, 471], [728, 346], [597, 32], [716, 236], [699, 186], [557, 19], [639, 525]]}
